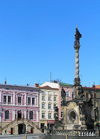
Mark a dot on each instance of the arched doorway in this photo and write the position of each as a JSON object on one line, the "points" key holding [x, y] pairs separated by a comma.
{"points": [[21, 128], [19, 115]]}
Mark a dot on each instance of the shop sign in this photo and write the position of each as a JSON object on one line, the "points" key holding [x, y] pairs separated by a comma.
{"points": [[50, 121]]}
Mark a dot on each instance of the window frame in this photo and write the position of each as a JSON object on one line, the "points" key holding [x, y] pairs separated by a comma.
{"points": [[55, 98], [43, 105], [54, 106], [19, 103], [31, 115], [32, 101], [7, 114], [49, 116], [49, 98], [62, 114], [49, 104], [8, 100], [43, 115], [28, 100], [67, 93], [43, 97], [4, 98]]}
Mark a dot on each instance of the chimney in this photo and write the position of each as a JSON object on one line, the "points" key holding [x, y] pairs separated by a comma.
{"points": [[5, 82], [27, 84], [36, 85]]}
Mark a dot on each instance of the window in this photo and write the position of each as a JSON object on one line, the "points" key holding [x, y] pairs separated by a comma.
{"points": [[9, 99], [67, 93], [31, 114], [54, 106], [54, 98], [49, 115], [49, 106], [7, 114], [54, 115], [29, 101], [43, 97], [72, 94], [19, 100], [43, 106], [61, 113], [43, 115], [49, 98], [33, 101], [4, 99]]}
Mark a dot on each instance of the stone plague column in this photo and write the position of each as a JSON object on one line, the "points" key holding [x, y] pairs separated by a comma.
{"points": [[77, 47], [78, 91]]}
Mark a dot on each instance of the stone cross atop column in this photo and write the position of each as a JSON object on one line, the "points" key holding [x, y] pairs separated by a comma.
{"points": [[77, 46]]}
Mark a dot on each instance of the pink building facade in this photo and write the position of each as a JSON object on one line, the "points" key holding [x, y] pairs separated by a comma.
{"points": [[18, 102]]}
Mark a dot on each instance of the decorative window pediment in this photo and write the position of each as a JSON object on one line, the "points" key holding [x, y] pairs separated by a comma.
{"points": [[7, 93]]}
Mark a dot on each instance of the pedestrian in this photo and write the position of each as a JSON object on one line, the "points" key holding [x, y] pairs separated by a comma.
{"points": [[5, 132], [50, 130]]}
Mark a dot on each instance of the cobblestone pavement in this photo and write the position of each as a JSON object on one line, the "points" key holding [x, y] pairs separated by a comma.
{"points": [[55, 137], [31, 136]]}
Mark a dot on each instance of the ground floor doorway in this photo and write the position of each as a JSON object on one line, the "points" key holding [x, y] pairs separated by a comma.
{"points": [[21, 129], [12, 131], [42, 127], [32, 130]]}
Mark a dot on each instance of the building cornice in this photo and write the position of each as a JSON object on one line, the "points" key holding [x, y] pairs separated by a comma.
{"points": [[17, 87]]}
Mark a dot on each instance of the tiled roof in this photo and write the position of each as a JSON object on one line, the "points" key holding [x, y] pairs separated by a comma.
{"points": [[92, 88], [98, 86], [47, 87], [18, 87]]}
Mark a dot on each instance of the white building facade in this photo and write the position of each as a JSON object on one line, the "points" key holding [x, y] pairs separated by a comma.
{"points": [[48, 100]]}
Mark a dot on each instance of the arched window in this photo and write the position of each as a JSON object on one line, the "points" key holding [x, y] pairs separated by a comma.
{"points": [[6, 114], [31, 114]]}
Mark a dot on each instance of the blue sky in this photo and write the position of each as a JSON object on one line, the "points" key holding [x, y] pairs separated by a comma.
{"points": [[36, 39]]}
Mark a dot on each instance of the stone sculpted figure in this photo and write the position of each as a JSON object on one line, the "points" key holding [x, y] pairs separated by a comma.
{"points": [[63, 93], [77, 35]]}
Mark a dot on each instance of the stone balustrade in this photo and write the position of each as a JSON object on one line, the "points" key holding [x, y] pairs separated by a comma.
{"points": [[76, 132]]}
